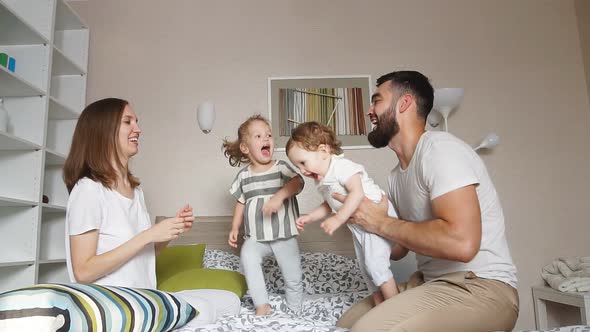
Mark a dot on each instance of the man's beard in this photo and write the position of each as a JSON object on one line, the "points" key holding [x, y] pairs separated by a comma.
{"points": [[386, 128]]}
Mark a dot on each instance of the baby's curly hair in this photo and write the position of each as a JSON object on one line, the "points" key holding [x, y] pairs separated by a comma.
{"points": [[310, 135]]}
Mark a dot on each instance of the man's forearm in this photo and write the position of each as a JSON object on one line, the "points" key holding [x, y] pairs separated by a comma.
{"points": [[434, 238]]}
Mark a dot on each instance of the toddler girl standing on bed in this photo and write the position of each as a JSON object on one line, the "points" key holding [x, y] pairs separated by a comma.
{"points": [[314, 149], [265, 192]]}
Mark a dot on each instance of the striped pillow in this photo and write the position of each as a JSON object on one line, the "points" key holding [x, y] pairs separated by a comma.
{"points": [[90, 307]]}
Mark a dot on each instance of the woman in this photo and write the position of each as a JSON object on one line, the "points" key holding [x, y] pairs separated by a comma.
{"points": [[110, 238]]}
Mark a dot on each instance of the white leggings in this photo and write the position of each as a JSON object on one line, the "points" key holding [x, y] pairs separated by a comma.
{"points": [[373, 252], [286, 252]]}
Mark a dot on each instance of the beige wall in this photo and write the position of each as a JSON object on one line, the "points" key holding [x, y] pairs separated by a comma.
{"points": [[519, 61], [583, 15]]}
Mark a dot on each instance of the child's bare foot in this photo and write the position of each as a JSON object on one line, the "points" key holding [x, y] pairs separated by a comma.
{"points": [[263, 310]]}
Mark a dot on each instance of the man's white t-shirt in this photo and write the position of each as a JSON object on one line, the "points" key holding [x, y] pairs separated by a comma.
{"points": [[442, 163], [92, 206]]}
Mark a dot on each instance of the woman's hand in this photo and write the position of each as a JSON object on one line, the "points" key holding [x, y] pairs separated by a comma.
{"points": [[233, 238], [167, 229], [186, 213], [183, 222], [368, 215]]}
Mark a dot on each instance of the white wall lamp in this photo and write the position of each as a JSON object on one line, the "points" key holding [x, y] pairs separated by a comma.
{"points": [[206, 116], [489, 142], [434, 118], [445, 101]]}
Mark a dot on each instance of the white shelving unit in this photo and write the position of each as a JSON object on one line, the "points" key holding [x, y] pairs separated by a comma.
{"points": [[43, 97]]}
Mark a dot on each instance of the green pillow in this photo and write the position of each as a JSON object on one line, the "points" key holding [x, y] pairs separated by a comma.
{"points": [[175, 259], [206, 279]]}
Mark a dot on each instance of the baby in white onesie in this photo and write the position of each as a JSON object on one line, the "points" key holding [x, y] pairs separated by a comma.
{"points": [[314, 149]]}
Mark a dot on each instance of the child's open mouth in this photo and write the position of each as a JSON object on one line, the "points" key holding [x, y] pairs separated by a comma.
{"points": [[266, 150]]}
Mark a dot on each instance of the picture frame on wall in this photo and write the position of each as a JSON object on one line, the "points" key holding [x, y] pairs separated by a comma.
{"points": [[340, 102]]}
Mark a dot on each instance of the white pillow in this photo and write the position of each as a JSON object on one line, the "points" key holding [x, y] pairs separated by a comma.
{"points": [[211, 304], [34, 323]]}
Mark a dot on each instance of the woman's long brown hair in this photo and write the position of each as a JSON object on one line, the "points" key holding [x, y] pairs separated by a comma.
{"points": [[94, 145]]}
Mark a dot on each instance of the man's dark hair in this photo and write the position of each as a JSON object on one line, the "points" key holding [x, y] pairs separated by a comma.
{"points": [[414, 83]]}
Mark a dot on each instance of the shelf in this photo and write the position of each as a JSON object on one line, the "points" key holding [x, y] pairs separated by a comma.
{"points": [[14, 277], [53, 238], [66, 18], [11, 142], [73, 44], [43, 98], [53, 273], [21, 263], [14, 86], [59, 111], [20, 176], [69, 90], [53, 158], [52, 208], [59, 135], [63, 65], [7, 201], [19, 225], [14, 30], [52, 261], [26, 117], [54, 187]]}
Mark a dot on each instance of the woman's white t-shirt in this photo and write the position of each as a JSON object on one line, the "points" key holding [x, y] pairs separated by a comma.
{"points": [[92, 206]]}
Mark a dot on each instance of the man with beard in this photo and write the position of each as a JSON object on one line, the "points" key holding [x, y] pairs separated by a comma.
{"points": [[449, 215]]}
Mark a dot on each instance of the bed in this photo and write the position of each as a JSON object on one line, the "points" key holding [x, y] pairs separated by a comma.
{"points": [[574, 328], [331, 279], [332, 284]]}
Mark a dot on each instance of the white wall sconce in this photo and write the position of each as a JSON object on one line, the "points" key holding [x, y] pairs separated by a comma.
{"points": [[489, 142], [445, 101], [206, 116], [434, 118]]}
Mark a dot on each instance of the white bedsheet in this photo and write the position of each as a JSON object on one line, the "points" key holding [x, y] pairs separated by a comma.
{"points": [[319, 314], [573, 328], [212, 305], [222, 311]]}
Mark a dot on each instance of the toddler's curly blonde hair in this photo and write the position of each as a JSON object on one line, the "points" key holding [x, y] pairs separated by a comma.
{"points": [[310, 135], [231, 149]]}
